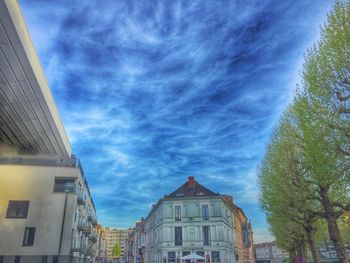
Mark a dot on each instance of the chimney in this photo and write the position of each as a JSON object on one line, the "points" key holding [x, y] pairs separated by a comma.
{"points": [[229, 199], [191, 182]]}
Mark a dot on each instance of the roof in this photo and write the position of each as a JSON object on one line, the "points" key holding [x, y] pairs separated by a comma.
{"points": [[191, 189], [29, 118]]}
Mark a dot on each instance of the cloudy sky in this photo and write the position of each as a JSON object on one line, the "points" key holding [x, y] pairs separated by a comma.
{"points": [[152, 92]]}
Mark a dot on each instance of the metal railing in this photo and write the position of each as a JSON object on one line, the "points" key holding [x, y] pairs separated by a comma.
{"points": [[26, 160]]}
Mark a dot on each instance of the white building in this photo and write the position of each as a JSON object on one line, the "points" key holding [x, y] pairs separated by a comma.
{"points": [[192, 219], [268, 252], [46, 209]]}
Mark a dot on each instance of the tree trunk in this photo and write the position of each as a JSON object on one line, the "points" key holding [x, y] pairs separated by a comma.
{"points": [[292, 258], [312, 244], [333, 229]]}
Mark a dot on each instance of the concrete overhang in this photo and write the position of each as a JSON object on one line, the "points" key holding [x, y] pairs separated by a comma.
{"points": [[29, 119]]}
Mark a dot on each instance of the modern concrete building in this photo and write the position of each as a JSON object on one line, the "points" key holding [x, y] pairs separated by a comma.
{"points": [[46, 210], [192, 219]]}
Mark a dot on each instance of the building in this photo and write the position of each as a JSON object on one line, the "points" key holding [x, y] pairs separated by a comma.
{"points": [[47, 213], [139, 241], [130, 247], [244, 243], [100, 251], [115, 236], [136, 243], [192, 219], [268, 252]]}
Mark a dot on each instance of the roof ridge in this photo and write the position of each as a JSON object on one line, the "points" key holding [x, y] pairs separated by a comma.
{"points": [[191, 188]]}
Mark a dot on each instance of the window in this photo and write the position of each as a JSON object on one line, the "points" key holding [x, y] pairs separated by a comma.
{"points": [[44, 259], [171, 257], [177, 213], [28, 239], [215, 256], [17, 259], [1, 259], [17, 209], [178, 236], [205, 212], [63, 185], [206, 235], [55, 259]]}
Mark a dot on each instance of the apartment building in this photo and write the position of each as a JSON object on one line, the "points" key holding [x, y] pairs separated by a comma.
{"points": [[47, 213], [192, 219], [115, 236]]}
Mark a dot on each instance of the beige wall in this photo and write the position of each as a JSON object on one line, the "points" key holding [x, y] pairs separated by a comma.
{"points": [[35, 183]]}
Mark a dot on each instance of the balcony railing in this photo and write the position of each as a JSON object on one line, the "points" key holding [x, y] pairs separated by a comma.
{"points": [[83, 227], [90, 251], [76, 248], [93, 236], [92, 220], [80, 200]]}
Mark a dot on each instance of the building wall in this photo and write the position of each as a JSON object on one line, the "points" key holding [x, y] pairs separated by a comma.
{"points": [[46, 209], [115, 236], [161, 222]]}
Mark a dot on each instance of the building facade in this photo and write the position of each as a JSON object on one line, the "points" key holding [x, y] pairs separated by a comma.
{"points": [[47, 213], [113, 237], [135, 247], [268, 252], [244, 245], [192, 219]]}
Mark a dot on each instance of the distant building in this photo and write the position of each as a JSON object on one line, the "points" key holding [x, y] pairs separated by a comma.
{"points": [[244, 243], [101, 250], [192, 219], [139, 241], [129, 253], [47, 213], [115, 236], [268, 252], [136, 243]]}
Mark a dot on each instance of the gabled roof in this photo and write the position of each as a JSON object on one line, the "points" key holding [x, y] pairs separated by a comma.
{"points": [[191, 189]]}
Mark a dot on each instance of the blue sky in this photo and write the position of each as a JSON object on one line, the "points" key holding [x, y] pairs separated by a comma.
{"points": [[151, 92]]}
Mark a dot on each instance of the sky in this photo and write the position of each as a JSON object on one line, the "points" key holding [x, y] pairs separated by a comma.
{"points": [[151, 92]]}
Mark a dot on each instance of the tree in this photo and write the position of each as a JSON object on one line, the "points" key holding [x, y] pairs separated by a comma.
{"points": [[309, 153], [285, 195], [116, 251], [323, 111]]}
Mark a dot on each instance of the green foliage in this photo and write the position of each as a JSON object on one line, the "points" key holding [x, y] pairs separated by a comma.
{"points": [[117, 250], [304, 176]]}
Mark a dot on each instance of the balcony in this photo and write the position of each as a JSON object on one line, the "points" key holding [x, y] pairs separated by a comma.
{"points": [[86, 230], [76, 248], [90, 251], [80, 199], [83, 227], [92, 220], [93, 237]]}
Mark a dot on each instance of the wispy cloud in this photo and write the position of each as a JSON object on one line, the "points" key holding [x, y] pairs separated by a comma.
{"points": [[152, 92]]}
